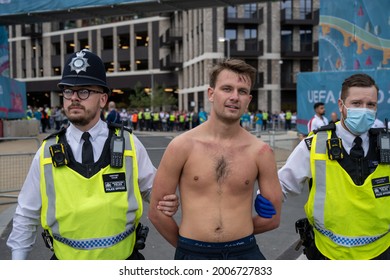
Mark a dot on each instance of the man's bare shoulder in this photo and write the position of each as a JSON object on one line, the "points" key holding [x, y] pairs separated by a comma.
{"points": [[184, 140], [259, 149]]}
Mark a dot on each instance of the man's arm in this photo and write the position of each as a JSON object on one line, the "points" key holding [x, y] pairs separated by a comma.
{"points": [[269, 188], [295, 174], [165, 183], [169, 204]]}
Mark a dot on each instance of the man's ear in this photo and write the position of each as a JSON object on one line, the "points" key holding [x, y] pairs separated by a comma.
{"points": [[210, 93], [103, 100]]}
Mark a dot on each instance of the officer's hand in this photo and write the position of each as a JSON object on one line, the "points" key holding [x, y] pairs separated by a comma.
{"points": [[264, 207], [169, 204]]}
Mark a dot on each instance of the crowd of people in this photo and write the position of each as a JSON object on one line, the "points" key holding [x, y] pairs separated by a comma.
{"points": [[148, 120], [54, 118], [50, 118]]}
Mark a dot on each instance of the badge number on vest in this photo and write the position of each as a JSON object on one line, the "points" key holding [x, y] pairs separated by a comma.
{"points": [[114, 182], [381, 187]]}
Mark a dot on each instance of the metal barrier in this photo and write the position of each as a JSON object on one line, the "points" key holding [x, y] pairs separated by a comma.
{"points": [[281, 143], [16, 154]]}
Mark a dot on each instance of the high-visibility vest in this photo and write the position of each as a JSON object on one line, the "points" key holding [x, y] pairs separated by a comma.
{"points": [[91, 218], [147, 116], [349, 221]]}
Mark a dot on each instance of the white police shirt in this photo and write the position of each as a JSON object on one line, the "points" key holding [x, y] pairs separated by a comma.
{"points": [[295, 174]]}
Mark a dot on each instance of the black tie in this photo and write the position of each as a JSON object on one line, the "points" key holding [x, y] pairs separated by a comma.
{"points": [[357, 149], [87, 154]]}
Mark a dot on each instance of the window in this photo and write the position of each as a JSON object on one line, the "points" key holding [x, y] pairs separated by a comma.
{"points": [[305, 9], [84, 44], [124, 66], [142, 39], [124, 41], [250, 39], [107, 43], [306, 66], [141, 64], [250, 10], [286, 6], [232, 12], [109, 66], [286, 40], [56, 48], [306, 39], [69, 47], [56, 71]]}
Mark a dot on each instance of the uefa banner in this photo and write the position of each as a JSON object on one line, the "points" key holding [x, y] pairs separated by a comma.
{"points": [[12, 99], [326, 88], [4, 53], [354, 35]]}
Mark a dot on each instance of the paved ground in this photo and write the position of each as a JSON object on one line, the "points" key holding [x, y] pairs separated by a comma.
{"points": [[277, 244]]}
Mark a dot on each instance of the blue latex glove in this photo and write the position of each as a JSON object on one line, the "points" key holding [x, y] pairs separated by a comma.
{"points": [[264, 207]]}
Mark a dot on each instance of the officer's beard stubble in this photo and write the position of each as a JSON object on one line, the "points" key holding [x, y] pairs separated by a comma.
{"points": [[81, 119]]}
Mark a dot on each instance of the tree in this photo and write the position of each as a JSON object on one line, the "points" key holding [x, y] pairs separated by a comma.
{"points": [[140, 99], [163, 99]]}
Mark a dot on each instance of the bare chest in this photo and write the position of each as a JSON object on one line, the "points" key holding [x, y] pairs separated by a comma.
{"points": [[234, 167]]}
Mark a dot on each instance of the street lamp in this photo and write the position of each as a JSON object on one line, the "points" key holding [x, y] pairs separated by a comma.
{"points": [[151, 90], [227, 40]]}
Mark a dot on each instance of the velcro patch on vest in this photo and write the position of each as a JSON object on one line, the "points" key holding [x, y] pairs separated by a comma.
{"points": [[381, 187], [114, 182]]}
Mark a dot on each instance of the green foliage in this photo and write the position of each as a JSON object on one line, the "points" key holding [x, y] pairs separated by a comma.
{"points": [[139, 98], [162, 98]]}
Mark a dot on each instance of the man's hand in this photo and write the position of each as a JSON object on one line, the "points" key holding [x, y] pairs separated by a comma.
{"points": [[169, 204], [264, 207]]}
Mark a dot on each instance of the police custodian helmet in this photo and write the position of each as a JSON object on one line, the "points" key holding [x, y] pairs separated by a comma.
{"points": [[84, 68]]}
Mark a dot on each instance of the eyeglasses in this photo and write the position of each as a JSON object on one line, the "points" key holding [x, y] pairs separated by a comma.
{"points": [[81, 93]]}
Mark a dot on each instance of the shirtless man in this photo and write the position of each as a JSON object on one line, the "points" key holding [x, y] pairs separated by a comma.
{"points": [[216, 166]]}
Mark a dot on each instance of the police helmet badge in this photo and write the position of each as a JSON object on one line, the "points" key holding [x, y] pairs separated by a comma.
{"points": [[79, 63]]}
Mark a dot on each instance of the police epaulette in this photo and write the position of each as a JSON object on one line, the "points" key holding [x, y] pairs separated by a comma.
{"points": [[327, 127], [377, 130], [116, 125], [59, 132]]}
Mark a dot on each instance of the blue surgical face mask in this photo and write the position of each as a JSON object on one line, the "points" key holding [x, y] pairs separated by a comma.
{"points": [[359, 120]]}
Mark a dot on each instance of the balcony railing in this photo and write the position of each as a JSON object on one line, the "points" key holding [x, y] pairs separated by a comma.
{"points": [[305, 17], [306, 51], [256, 18], [170, 36], [171, 63], [246, 48]]}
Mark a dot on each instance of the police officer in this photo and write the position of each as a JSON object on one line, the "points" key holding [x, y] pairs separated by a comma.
{"points": [[86, 192], [348, 207]]}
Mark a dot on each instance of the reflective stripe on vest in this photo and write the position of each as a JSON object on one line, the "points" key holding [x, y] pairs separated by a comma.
{"points": [[133, 212]]}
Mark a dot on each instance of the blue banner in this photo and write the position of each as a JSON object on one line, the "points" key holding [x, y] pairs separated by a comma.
{"points": [[4, 53], [354, 35], [13, 101], [326, 88]]}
